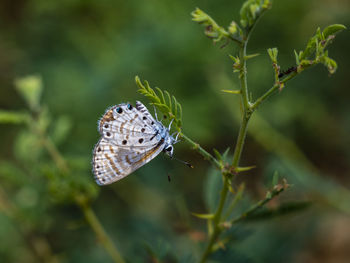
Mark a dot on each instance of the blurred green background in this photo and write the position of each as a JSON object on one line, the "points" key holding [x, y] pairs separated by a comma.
{"points": [[88, 53]]}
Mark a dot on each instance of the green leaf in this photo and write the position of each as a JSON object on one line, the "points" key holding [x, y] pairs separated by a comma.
{"points": [[310, 49], [30, 88], [251, 10], [218, 155], [212, 29], [275, 178], [212, 185], [13, 117], [224, 155], [167, 104], [332, 30], [61, 129], [204, 216], [297, 60], [231, 91], [330, 64], [236, 60], [251, 56], [244, 169]]}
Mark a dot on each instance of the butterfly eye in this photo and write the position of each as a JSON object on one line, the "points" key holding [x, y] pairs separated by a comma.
{"points": [[130, 107], [169, 148], [119, 110]]}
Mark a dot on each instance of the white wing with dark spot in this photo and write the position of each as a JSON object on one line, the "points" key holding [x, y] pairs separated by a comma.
{"points": [[130, 139]]}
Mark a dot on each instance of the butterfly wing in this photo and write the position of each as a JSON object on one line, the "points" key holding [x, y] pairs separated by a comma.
{"points": [[112, 163], [129, 140], [129, 126]]}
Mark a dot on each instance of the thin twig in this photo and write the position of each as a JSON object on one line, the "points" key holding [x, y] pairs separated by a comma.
{"points": [[203, 152], [275, 192], [272, 90]]}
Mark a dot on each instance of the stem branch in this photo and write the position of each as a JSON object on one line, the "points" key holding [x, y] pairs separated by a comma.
{"points": [[203, 152], [259, 204], [274, 88]]}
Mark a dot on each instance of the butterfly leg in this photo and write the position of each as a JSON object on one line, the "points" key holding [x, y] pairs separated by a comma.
{"points": [[177, 136], [155, 112], [171, 122]]}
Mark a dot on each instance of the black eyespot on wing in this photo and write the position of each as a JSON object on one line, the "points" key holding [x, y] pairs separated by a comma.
{"points": [[152, 122], [108, 134], [106, 126], [119, 110], [99, 149], [124, 142], [144, 118], [130, 106], [141, 140], [143, 130]]}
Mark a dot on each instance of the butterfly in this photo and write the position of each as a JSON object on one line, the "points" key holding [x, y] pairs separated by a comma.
{"points": [[130, 138]]}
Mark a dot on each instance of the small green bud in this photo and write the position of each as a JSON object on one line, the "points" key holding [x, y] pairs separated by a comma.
{"points": [[273, 52], [232, 29], [266, 4], [254, 10], [199, 16], [297, 60]]}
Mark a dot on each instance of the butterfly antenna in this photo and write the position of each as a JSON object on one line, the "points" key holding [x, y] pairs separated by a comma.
{"points": [[184, 162]]}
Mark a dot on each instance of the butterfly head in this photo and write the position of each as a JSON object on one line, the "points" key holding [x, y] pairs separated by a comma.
{"points": [[169, 148]]}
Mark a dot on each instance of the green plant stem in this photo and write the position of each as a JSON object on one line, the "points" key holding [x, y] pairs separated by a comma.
{"points": [[236, 155], [275, 192], [203, 152], [240, 141], [216, 221], [243, 77], [271, 91], [97, 227]]}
